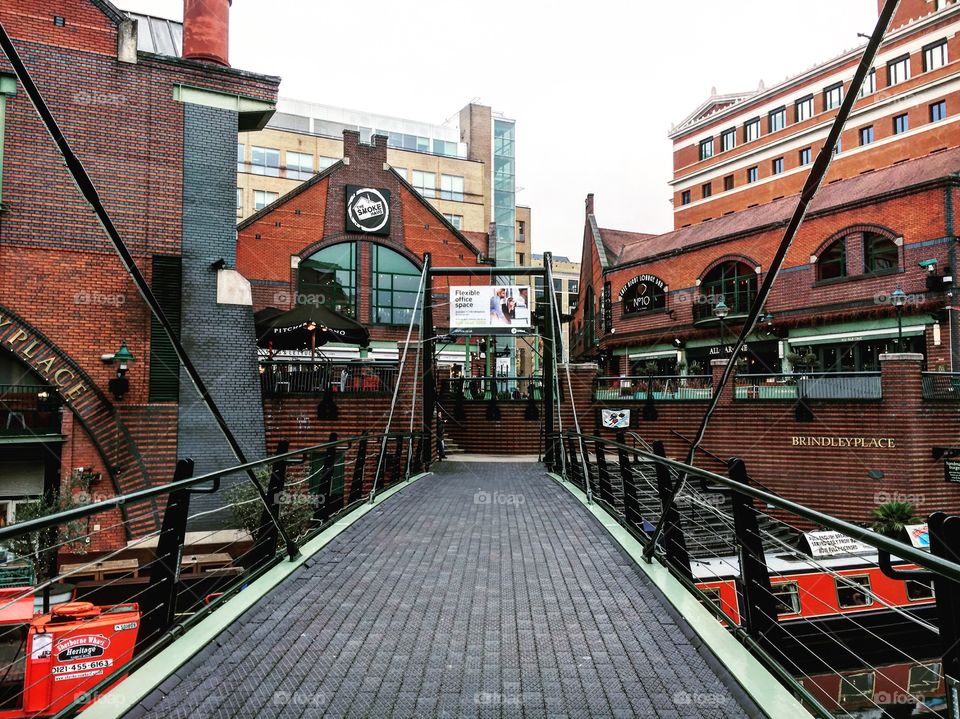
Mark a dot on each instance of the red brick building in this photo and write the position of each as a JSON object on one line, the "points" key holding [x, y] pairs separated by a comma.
{"points": [[883, 219], [157, 133]]}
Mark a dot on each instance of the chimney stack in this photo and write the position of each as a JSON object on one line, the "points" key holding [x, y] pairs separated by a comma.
{"points": [[206, 30]]}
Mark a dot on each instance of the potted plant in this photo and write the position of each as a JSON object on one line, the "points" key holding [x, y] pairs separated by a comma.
{"points": [[891, 519]]}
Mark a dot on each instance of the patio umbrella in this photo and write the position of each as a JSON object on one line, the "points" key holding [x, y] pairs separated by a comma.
{"points": [[293, 329]]}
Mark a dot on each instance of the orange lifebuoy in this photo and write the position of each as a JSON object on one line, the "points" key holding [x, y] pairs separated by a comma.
{"points": [[76, 610]]}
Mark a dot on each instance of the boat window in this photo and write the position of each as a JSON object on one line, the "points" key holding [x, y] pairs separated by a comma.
{"points": [[919, 590], [924, 679], [787, 595], [13, 661], [850, 594], [713, 594], [856, 686]]}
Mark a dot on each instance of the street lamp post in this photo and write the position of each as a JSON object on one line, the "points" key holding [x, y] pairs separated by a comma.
{"points": [[899, 299], [720, 311]]}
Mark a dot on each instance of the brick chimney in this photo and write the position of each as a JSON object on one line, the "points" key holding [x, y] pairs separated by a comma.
{"points": [[206, 30], [590, 204]]}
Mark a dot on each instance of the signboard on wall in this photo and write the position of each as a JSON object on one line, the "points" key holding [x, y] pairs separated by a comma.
{"points": [[831, 544], [615, 418], [367, 210], [644, 293], [607, 308], [490, 310]]}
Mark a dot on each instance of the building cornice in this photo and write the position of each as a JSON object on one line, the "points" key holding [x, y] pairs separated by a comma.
{"points": [[826, 67]]}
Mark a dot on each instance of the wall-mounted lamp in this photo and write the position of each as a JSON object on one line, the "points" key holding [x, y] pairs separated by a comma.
{"points": [[120, 385]]}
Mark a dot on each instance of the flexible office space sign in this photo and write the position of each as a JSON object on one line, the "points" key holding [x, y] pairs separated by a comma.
{"points": [[489, 310]]}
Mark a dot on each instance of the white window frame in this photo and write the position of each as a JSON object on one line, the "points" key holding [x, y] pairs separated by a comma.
{"points": [[705, 151], [731, 135], [455, 220], [937, 55], [297, 170], [268, 197], [449, 185], [420, 183], [265, 168], [803, 108], [869, 85], [895, 68], [749, 125], [833, 96]]}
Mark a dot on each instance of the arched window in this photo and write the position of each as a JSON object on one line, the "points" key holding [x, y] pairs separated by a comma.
{"points": [[832, 262], [735, 282], [880, 254], [395, 281], [329, 277]]}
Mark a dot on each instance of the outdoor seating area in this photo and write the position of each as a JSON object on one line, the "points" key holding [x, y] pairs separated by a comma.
{"points": [[818, 386], [281, 377], [28, 409], [668, 388]]}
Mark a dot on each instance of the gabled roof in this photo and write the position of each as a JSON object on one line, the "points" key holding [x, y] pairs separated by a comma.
{"points": [[616, 241], [896, 178], [303, 186], [110, 10], [713, 104]]}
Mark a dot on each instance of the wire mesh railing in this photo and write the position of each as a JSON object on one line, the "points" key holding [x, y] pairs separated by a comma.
{"points": [[83, 603], [849, 619]]}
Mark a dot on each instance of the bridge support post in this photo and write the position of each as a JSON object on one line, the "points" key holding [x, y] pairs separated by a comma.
{"points": [[548, 342], [760, 612], [673, 539], [160, 598], [944, 535], [324, 486], [265, 541], [428, 375], [604, 485], [359, 464], [631, 503]]}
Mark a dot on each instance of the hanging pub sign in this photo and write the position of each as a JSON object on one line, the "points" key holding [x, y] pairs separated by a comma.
{"points": [[644, 293], [368, 210], [607, 308], [490, 310]]}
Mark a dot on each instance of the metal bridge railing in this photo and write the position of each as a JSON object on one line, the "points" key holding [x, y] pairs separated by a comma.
{"points": [[161, 585], [825, 610]]}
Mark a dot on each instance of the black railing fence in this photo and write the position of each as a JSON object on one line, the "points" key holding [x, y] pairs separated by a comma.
{"points": [[173, 584], [486, 388], [941, 385], [840, 602], [809, 385], [666, 387], [28, 407], [281, 377]]}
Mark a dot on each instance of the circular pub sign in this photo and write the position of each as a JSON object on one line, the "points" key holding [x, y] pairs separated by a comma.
{"points": [[368, 210], [643, 293]]}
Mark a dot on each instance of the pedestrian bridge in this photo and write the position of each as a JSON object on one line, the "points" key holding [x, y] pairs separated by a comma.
{"points": [[482, 588]]}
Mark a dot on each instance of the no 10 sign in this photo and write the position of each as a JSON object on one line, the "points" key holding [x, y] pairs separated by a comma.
{"points": [[644, 293]]}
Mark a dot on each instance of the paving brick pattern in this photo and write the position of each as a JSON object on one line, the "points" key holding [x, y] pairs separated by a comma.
{"points": [[485, 590]]}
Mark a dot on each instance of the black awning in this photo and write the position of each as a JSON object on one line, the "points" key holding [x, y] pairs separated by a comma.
{"points": [[292, 329]]}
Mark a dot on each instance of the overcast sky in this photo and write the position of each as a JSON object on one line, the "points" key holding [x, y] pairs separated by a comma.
{"points": [[594, 87]]}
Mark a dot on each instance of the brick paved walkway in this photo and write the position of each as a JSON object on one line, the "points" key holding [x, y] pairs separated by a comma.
{"points": [[485, 590]]}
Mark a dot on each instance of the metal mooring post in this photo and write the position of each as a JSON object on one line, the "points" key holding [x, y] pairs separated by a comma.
{"points": [[761, 607]]}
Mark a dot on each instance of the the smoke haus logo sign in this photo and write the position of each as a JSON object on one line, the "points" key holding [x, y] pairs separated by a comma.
{"points": [[642, 294], [855, 442], [78, 648], [368, 210]]}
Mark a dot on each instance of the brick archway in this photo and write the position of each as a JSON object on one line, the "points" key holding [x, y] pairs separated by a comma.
{"points": [[90, 408]]}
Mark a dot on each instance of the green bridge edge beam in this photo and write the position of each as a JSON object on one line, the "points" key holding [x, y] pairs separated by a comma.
{"points": [[128, 693], [774, 699]]}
